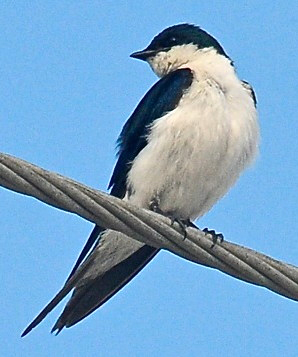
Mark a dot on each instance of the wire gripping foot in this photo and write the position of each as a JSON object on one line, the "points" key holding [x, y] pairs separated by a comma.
{"points": [[215, 236]]}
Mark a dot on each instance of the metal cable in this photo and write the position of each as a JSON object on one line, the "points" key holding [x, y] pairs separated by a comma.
{"points": [[148, 227]]}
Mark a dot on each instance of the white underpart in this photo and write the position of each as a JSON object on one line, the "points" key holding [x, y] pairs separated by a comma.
{"points": [[196, 152]]}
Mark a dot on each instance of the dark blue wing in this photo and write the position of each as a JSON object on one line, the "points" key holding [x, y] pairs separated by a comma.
{"points": [[163, 97]]}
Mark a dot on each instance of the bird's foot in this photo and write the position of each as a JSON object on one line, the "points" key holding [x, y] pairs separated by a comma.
{"points": [[154, 205], [183, 223], [215, 236]]}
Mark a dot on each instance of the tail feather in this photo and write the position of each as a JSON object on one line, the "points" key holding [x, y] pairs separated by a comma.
{"points": [[112, 263], [87, 247], [96, 292]]}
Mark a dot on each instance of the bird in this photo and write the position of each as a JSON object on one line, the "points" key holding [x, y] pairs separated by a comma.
{"points": [[183, 147]]}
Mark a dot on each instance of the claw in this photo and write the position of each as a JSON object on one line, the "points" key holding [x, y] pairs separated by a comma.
{"points": [[215, 236], [183, 224]]}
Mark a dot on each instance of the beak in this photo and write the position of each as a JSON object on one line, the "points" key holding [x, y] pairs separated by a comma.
{"points": [[144, 54]]}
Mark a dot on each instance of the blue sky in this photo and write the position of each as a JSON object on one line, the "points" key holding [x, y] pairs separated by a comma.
{"points": [[67, 85]]}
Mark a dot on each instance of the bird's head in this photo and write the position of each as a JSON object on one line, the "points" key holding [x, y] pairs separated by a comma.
{"points": [[176, 46]]}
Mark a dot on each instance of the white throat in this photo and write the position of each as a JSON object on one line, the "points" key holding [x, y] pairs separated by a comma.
{"points": [[187, 56]]}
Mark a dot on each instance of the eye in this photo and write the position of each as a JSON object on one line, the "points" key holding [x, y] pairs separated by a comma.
{"points": [[173, 40]]}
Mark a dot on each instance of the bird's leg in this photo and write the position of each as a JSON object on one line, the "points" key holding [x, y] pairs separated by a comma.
{"points": [[154, 205], [215, 236], [183, 223], [189, 223]]}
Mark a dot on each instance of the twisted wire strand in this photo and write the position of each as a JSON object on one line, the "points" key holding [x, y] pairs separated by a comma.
{"points": [[148, 227]]}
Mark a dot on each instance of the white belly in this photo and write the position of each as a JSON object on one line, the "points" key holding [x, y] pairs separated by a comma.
{"points": [[196, 152]]}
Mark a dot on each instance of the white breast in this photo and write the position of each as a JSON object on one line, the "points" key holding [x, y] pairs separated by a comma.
{"points": [[196, 152]]}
